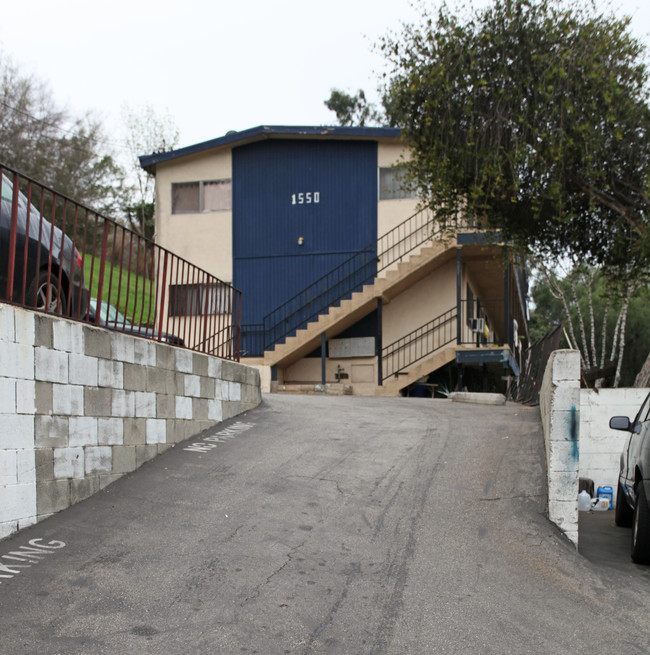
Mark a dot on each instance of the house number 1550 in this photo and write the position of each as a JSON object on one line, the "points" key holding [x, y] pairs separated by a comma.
{"points": [[305, 198]]}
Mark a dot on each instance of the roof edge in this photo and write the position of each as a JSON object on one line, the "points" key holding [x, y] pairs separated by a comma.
{"points": [[149, 162]]}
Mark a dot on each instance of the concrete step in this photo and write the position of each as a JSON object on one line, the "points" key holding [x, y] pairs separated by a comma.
{"points": [[314, 389]]}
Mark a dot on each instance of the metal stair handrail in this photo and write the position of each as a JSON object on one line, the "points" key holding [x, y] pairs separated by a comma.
{"points": [[348, 276], [418, 344]]}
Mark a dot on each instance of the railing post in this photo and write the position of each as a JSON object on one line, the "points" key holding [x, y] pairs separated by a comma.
{"points": [[379, 343], [323, 358], [459, 295], [507, 323]]}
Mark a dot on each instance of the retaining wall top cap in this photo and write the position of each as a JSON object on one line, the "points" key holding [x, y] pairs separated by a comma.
{"points": [[478, 398]]}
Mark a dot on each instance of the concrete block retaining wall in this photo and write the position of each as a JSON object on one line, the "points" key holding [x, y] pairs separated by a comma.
{"points": [[81, 406], [560, 411]]}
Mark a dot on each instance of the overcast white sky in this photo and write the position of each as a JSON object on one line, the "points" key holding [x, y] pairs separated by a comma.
{"points": [[213, 66]]}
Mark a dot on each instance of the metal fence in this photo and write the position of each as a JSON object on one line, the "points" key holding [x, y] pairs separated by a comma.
{"points": [[60, 257]]}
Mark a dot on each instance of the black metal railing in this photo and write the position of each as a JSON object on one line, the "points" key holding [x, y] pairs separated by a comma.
{"points": [[348, 277], [60, 257], [418, 344]]}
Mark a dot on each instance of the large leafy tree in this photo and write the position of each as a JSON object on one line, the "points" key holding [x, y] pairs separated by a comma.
{"points": [[68, 153], [532, 116]]}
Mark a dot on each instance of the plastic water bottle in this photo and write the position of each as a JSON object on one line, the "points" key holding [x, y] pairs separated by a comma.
{"points": [[584, 501]]}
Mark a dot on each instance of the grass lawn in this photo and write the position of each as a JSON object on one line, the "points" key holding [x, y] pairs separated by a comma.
{"points": [[136, 293]]}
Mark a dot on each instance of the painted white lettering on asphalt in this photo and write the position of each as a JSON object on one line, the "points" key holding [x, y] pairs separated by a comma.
{"points": [[208, 443], [31, 554]]}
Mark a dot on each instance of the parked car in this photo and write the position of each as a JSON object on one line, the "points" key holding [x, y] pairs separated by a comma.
{"points": [[61, 291], [110, 318], [632, 502]]}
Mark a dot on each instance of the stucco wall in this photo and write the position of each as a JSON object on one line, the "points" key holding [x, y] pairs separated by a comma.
{"points": [[560, 413], [204, 239], [600, 447], [81, 406]]}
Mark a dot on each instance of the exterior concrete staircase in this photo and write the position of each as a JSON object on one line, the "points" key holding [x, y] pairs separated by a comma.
{"points": [[411, 374], [390, 283]]}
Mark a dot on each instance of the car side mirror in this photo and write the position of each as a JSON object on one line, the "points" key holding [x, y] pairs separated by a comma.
{"points": [[620, 423]]}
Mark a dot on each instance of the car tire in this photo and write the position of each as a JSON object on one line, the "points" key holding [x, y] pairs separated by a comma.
{"points": [[641, 528], [623, 514], [55, 303]]}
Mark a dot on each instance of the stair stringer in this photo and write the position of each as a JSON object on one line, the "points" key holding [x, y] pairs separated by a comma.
{"points": [[393, 385]]}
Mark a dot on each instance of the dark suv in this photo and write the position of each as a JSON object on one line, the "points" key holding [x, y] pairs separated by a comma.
{"points": [[632, 508], [61, 291]]}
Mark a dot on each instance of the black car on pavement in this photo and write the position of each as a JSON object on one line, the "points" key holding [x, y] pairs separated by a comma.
{"points": [[47, 267], [632, 503]]}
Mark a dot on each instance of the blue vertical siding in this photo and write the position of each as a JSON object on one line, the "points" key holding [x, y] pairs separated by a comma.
{"points": [[269, 265]]}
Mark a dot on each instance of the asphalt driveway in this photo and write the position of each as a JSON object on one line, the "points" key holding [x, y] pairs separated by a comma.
{"points": [[325, 525]]}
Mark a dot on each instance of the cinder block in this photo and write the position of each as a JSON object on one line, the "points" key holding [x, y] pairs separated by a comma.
{"points": [[51, 431], [25, 327], [7, 323], [135, 377], [83, 370], [68, 463], [97, 343], [165, 406], [564, 514], [566, 399], [200, 364], [111, 374], [214, 367], [563, 485], [200, 409], [7, 528], [84, 488], [99, 459], [123, 347], [145, 352], [98, 401], [156, 379], [184, 360], [7, 395], [110, 431], [105, 480], [192, 386], [17, 431], [8, 467], [68, 336], [207, 388], [52, 496], [26, 466], [25, 396], [156, 431], [18, 360], [221, 390], [145, 404], [43, 333], [562, 456], [234, 391], [123, 403], [17, 501], [123, 459], [51, 365], [165, 357], [44, 460], [135, 431], [83, 431], [145, 453], [233, 372], [215, 412], [566, 367], [68, 399], [183, 407]]}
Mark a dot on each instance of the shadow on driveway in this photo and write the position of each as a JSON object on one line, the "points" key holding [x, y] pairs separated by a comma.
{"points": [[603, 543]]}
